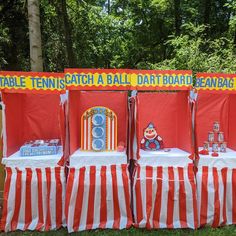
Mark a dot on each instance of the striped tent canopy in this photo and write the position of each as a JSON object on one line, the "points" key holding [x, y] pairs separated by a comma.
{"points": [[99, 129]]}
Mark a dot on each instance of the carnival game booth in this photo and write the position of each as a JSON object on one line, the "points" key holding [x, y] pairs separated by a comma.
{"points": [[98, 188], [33, 138], [164, 188], [216, 143]]}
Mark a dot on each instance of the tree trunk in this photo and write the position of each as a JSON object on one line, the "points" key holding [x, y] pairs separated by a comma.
{"points": [[177, 17], [36, 60], [68, 38]]}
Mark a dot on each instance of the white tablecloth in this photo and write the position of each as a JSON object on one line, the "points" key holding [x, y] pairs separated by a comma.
{"points": [[175, 157], [15, 160], [227, 159], [98, 197], [83, 158], [34, 193], [216, 189]]}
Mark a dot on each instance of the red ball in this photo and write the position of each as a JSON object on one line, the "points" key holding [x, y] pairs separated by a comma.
{"points": [[215, 154]]}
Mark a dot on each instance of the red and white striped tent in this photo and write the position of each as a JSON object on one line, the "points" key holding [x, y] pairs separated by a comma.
{"points": [[164, 187], [216, 186], [98, 191], [34, 191]]}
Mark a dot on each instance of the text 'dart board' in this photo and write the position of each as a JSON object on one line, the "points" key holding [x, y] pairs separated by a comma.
{"points": [[33, 119], [216, 148]]}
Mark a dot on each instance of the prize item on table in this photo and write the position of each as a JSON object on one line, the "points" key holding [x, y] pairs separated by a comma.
{"points": [[216, 126], [223, 147], [221, 137], [215, 147], [99, 130], [206, 146], [151, 140], [40, 147], [216, 139], [211, 137]]}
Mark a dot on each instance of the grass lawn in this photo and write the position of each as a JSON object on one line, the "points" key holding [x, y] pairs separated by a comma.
{"points": [[227, 230]]}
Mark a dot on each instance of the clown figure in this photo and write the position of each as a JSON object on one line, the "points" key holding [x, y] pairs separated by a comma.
{"points": [[151, 140]]}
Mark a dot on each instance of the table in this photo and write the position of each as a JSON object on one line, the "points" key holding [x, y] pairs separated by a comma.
{"points": [[164, 190], [34, 193], [98, 192], [216, 189]]}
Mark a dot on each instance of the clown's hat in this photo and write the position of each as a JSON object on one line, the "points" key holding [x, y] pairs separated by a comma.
{"points": [[151, 125]]}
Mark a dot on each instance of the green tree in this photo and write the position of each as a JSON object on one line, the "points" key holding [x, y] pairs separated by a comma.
{"points": [[179, 34], [195, 52]]}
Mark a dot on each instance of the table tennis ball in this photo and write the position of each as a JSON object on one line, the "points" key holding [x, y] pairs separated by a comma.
{"points": [[121, 147]]}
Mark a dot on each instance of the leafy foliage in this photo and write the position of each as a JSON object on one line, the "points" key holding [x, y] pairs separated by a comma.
{"points": [[195, 52], [4, 41]]}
